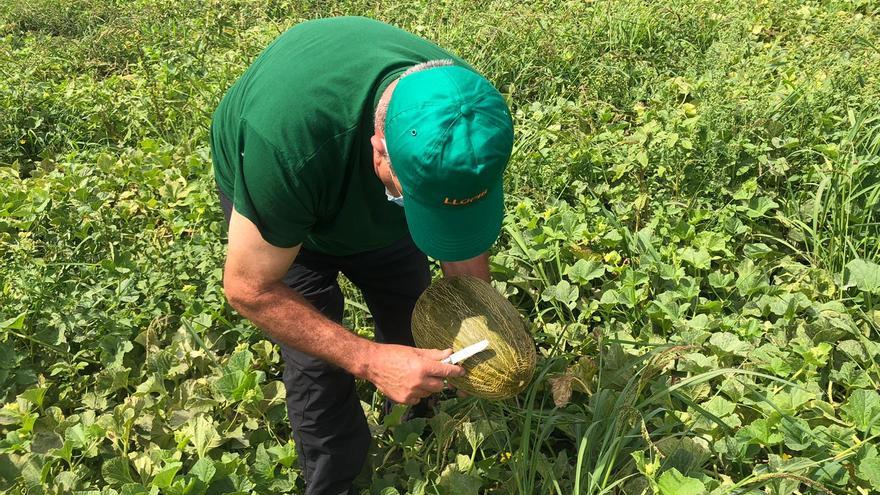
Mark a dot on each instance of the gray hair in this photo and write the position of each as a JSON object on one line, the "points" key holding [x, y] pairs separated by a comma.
{"points": [[385, 99]]}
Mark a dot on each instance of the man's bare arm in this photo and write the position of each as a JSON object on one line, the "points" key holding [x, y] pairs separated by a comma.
{"points": [[477, 267], [253, 285]]}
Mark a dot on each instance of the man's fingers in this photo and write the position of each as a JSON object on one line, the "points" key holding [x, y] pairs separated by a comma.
{"points": [[432, 385], [436, 354], [436, 368]]}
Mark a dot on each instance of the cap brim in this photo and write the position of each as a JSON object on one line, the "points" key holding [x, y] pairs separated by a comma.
{"points": [[456, 233]]}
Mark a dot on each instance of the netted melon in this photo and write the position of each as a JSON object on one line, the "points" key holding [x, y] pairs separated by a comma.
{"points": [[456, 312]]}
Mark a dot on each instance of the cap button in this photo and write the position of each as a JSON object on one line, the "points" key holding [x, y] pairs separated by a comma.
{"points": [[466, 109]]}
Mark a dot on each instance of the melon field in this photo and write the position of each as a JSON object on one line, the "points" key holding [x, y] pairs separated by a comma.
{"points": [[692, 236]]}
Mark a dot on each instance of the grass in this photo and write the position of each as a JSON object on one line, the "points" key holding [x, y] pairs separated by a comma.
{"points": [[835, 216]]}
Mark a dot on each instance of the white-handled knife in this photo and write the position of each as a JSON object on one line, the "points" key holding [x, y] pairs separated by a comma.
{"points": [[467, 352]]}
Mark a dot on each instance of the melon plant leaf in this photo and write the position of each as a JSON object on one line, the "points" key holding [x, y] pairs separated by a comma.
{"points": [[113, 349], [869, 467], [44, 441], [203, 435], [584, 371], [235, 384], [76, 435], [14, 323], [30, 470], [747, 190], [854, 349], [712, 241], [562, 292], [473, 436], [698, 258], [833, 473], [667, 304], [454, 482], [796, 433], [863, 274], [757, 250], [583, 271], [750, 279], [788, 305], [51, 335], [285, 454], [413, 468], [728, 343], [862, 409], [720, 280], [395, 417], [643, 243], [204, 470], [34, 395], [135, 489], [610, 296], [116, 471], [759, 206], [770, 357], [696, 362], [407, 433], [672, 482], [761, 432], [65, 481], [8, 357], [671, 272], [112, 378], [683, 454], [165, 476], [719, 406], [241, 360], [463, 463], [65, 452], [264, 467], [418, 486], [851, 376], [442, 425], [698, 324]]}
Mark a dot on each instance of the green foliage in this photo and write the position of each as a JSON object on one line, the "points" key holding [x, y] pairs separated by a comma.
{"points": [[692, 233]]}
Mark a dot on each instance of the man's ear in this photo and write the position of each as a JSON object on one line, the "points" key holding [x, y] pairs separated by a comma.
{"points": [[378, 154]]}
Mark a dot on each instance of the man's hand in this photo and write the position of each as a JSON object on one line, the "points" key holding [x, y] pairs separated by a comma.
{"points": [[476, 267], [406, 374], [253, 284]]}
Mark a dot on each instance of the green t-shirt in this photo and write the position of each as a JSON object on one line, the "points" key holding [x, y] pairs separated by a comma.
{"points": [[291, 138]]}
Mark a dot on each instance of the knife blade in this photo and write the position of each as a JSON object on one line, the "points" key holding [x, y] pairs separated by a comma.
{"points": [[467, 352]]}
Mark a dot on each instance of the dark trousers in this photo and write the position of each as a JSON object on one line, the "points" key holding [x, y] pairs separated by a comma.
{"points": [[328, 423]]}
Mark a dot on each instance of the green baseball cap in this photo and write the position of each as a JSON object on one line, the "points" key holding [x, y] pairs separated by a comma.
{"points": [[449, 136]]}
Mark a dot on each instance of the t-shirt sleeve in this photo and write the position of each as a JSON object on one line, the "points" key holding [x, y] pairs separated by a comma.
{"points": [[271, 193]]}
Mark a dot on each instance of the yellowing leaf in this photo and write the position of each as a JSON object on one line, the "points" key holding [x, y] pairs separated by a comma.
{"points": [[203, 434]]}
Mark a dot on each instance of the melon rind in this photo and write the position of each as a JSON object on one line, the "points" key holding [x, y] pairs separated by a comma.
{"points": [[456, 312]]}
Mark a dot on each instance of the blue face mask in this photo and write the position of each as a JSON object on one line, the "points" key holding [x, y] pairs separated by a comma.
{"points": [[398, 200]]}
